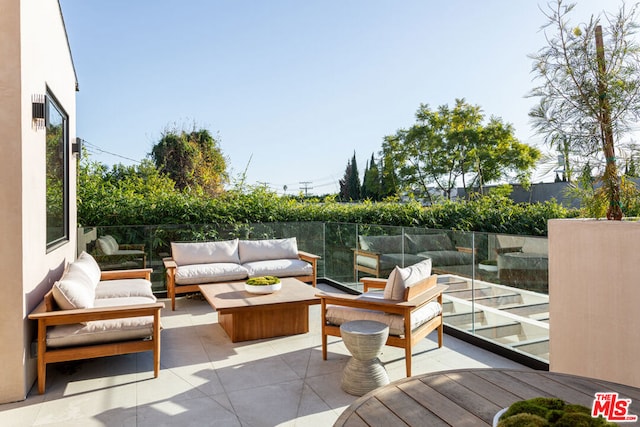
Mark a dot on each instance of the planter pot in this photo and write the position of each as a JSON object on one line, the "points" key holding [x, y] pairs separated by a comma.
{"points": [[262, 289], [496, 417]]}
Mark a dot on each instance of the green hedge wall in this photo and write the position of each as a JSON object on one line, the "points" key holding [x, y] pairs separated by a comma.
{"points": [[493, 213]]}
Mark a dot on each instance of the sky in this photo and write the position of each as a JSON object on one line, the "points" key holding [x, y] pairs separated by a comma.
{"points": [[291, 89]]}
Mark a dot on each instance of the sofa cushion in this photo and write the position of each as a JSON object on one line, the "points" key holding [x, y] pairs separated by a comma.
{"points": [[123, 288], [100, 331], [382, 244], [74, 289], [429, 242], [402, 278], [89, 265], [388, 261], [209, 273], [445, 258], [337, 315], [279, 268], [262, 250], [205, 252]]}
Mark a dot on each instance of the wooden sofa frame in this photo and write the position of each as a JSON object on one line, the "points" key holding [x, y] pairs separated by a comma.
{"points": [[173, 290], [47, 314], [415, 298]]}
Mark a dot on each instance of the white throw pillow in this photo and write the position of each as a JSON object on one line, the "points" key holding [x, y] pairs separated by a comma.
{"points": [[402, 278], [205, 252], [89, 265], [263, 250], [74, 290]]}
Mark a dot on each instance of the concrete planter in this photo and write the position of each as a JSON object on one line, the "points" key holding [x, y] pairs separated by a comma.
{"points": [[594, 296]]}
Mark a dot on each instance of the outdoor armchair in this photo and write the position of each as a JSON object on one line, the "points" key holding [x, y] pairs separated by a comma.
{"points": [[410, 304]]}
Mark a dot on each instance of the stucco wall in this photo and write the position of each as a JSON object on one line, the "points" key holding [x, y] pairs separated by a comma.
{"points": [[594, 291], [34, 55]]}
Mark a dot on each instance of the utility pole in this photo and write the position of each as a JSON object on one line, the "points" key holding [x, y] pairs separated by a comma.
{"points": [[305, 187]]}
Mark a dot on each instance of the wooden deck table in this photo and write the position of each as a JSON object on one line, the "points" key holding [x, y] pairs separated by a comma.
{"points": [[471, 397], [245, 316]]}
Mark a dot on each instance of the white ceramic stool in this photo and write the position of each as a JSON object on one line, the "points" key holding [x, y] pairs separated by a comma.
{"points": [[364, 372]]}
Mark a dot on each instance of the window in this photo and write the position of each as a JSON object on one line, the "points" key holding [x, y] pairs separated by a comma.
{"points": [[57, 173]]}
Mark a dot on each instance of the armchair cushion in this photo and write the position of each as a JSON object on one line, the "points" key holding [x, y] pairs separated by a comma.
{"points": [[337, 315], [203, 273], [279, 268], [262, 250], [402, 278], [205, 252]]}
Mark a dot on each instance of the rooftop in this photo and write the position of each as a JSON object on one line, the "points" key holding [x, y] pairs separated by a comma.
{"points": [[205, 378]]}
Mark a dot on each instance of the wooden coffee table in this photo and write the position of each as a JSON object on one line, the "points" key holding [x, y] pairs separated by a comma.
{"points": [[246, 316]]}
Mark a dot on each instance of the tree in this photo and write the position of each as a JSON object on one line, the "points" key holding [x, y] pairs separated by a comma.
{"points": [[388, 176], [371, 181], [192, 159], [589, 88], [350, 183], [447, 146]]}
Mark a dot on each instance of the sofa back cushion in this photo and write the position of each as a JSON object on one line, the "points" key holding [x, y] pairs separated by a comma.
{"points": [[205, 252], [74, 289], [402, 278], [89, 265], [429, 242], [382, 244], [263, 250]]}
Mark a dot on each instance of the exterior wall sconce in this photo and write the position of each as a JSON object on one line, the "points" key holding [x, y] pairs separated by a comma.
{"points": [[37, 111], [76, 147]]}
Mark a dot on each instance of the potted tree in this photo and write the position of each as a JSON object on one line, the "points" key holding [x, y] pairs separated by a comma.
{"points": [[589, 96]]}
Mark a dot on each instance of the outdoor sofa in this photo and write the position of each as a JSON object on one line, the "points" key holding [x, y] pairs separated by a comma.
{"points": [[379, 255], [194, 263], [91, 313]]}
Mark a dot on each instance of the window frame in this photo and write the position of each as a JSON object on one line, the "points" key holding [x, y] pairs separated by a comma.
{"points": [[61, 238]]}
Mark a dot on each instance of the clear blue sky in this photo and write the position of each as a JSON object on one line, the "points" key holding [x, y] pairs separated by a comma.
{"points": [[293, 88]]}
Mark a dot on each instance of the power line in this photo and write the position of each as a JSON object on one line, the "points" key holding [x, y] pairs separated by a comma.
{"points": [[97, 148]]}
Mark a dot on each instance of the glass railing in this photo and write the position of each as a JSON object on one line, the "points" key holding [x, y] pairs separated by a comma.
{"points": [[498, 284]]}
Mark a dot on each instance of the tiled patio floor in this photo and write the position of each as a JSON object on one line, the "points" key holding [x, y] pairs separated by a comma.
{"points": [[206, 380]]}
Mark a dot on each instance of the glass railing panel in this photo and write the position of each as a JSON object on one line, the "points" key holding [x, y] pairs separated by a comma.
{"points": [[497, 305], [498, 284], [340, 241]]}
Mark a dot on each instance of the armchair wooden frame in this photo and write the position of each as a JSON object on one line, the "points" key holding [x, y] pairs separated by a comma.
{"points": [[47, 314], [173, 290], [415, 297], [375, 256]]}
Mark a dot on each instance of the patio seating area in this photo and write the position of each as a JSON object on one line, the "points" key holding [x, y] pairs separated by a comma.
{"points": [[205, 377]]}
